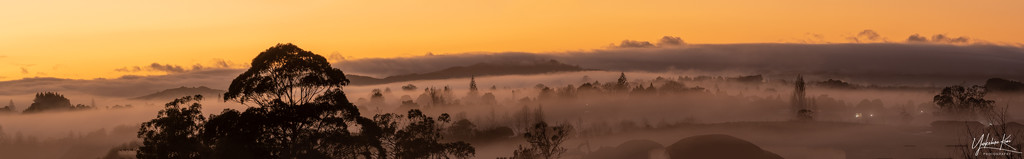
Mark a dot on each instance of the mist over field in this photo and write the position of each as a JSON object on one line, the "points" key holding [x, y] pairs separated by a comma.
{"points": [[853, 118]]}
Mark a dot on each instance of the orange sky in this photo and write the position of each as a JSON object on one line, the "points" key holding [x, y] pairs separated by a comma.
{"points": [[90, 39]]}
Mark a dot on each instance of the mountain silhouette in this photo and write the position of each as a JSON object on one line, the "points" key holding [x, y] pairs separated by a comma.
{"points": [[182, 91], [1003, 85], [479, 69]]}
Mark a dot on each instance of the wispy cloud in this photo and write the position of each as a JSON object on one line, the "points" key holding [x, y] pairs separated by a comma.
{"points": [[939, 38], [867, 36], [169, 68], [663, 42]]}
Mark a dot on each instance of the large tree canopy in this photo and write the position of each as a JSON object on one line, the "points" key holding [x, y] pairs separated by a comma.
{"points": [[175, 131], [49, 101], [963, 102], [285, 72], [300, 111]]}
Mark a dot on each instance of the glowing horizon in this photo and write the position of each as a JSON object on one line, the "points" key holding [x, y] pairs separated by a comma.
{"points": [[86, 40]]}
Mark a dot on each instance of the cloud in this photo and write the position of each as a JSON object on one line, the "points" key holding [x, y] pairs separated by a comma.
{"points": [[938, 38], [634, 44], [670, 41], [867, 35], [917, 38], [166, 68], [873, 61], [335, 57], [663, 42], [169, 68]]}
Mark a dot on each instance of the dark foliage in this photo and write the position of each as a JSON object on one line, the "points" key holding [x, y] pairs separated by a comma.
{"points": [[419, 137], [963, 102], [545, 142], [494, 134], [462, 130], [8, 108], [622, 84], [409, 87], [175, 131], [748, 79], [287, 73], [838, 84], [49, 101], [801, 106], [300, 112]]}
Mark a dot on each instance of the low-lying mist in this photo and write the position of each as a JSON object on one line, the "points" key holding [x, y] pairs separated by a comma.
{"points": [[652, 107]]}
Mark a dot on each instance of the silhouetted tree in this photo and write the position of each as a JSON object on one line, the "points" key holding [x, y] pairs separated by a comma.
{"points": [[462, 130], [651, 89], [622, 83], [638, 90], [489, 99], [540, 86], [799, 102], [522, 118], [175, 131], [538, 115], [419, 138], [409, 87], [805, 114], [376, 97], [545, 142], [286, 73], [435, 97], [9, 108], [81, 107], [963, 102], [492, 134], [472, 86], [49, 101], [409, 104], [473, 96], [587, 88], [546, 93], [568, 92], [301, 110]]}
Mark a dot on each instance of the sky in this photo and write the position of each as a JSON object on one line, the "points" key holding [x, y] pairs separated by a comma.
{"points": [[112, 38]]}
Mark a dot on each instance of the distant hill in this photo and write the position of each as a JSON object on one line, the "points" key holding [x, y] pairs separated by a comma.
{"points": [[174, 93], [1003, 85], [479, 69]]}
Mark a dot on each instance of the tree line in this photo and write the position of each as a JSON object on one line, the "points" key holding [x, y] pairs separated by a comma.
{"points": [[298, 109]]}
